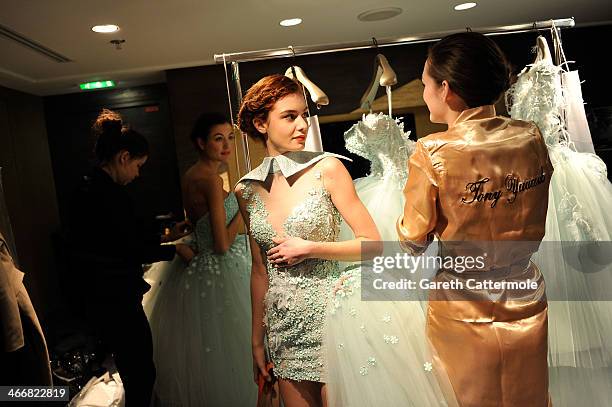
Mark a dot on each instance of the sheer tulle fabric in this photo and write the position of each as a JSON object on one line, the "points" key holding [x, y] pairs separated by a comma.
{"points": [[580, 201], [201, 327], [377, 351]]}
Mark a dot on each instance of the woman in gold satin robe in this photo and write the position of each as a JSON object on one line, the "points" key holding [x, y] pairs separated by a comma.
{"points": [[481, 187]]}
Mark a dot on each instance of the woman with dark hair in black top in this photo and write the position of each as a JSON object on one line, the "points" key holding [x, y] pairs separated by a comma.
{"points": [[108, 245]]}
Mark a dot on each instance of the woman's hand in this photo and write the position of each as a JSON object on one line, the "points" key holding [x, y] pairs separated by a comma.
{"points": [[185, 252], [259, 363], [289, 251], [179, 230]]}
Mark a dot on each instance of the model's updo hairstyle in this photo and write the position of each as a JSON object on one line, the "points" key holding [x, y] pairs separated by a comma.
{"points": [[112, 137], [473, 65], [201, 128], [260, 99]]}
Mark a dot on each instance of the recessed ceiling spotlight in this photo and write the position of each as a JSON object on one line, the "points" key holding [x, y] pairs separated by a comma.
{"points": [[291, 22], [465, 6], [106, 28], [379, 14]]}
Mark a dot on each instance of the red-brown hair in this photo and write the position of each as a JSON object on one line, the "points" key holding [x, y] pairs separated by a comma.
{"points": [[260, 99]]}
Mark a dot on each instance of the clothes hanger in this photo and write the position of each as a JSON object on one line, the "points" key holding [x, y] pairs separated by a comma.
{"points": [[384, 75], [313, 138], [542, 50], [316, 94]]}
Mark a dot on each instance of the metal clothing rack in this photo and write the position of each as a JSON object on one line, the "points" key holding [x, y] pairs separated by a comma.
{"points": [[386, 42], [292, 51]]}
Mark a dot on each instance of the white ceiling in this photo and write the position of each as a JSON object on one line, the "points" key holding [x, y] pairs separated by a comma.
{"points": [[181, 33]]}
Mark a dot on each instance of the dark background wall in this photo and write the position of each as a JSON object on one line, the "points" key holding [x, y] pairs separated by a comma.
{"points": [[29, 189], [145, 109]]}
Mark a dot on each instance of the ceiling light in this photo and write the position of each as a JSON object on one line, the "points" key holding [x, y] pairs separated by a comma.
{"points": [[107, 28], [465, 6], [290, 22], [379, 14]]}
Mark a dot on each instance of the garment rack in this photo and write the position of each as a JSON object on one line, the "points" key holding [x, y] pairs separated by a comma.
{"points": [[386, 42], [235, 58]]}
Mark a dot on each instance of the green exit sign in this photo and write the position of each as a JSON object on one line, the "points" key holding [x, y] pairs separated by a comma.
{"points": [[97, 85]]}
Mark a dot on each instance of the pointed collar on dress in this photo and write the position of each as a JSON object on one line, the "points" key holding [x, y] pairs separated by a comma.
{"points": [[288, 164], [476, 113]]}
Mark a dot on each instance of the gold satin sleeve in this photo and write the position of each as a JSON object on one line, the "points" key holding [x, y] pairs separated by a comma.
{"points": [[415, 226]]}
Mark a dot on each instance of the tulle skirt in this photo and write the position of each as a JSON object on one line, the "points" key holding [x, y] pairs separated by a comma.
{"points": [[580, 204], [201, 325], [575, 259], [384, 200], [158, 273], [377, 352]]}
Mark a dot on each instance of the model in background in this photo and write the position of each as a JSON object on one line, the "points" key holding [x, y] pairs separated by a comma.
{"points": [[201, 317]]}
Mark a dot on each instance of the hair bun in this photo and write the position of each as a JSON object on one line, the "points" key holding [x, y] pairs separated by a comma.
{"points": [[108, 122]]}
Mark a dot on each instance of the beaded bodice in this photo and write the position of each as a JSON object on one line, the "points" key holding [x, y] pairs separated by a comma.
{"points": [[203, 228], [315, 218], [381, 140]]}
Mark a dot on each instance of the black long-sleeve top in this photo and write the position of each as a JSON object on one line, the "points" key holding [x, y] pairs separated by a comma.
{"points": [[108, 242]]}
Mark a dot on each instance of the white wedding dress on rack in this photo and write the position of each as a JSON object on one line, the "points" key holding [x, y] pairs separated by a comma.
{"points": [[575, 253], [382, 140], [377, 351]]}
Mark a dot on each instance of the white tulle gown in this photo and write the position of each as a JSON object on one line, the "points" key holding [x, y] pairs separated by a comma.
{"points": [[575, 254], [200, 317], [377, 351]]}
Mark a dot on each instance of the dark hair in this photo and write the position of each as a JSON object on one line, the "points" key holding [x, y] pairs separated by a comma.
{"points": [[113, 137], [473, 65], [201, 128], [260, 99]]}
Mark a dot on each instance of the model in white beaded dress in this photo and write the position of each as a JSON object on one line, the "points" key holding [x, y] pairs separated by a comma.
{"points": [[293, 204]]}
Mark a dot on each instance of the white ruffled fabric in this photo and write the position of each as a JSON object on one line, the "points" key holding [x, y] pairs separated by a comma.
{"points": [[157, 274], [382, 140], [378, 354], [377, 351], [580, 203], [577, 124]]}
